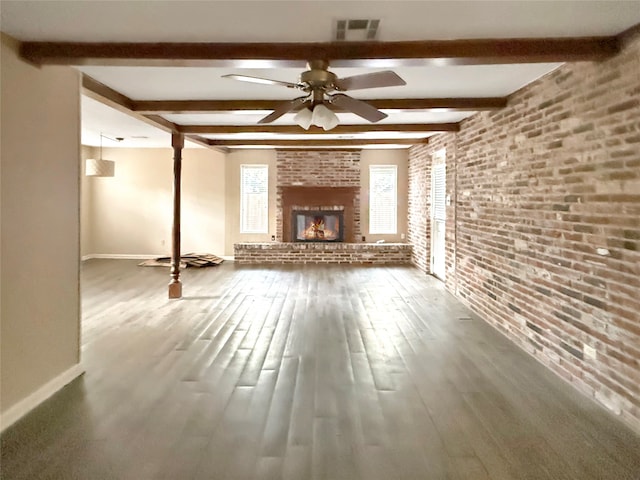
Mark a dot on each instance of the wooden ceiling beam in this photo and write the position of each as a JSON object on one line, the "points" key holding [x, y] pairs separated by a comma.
{"points": [[317, 143], [106, 95], [297, 130], [164, 123], [175, 128], [340, 54], [203, 141], [205, 106], [629, 35]]}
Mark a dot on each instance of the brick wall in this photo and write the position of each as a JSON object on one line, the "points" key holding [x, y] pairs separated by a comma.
{"points": [[341, 253], [317, 168], [546, 223], [419, 234], [419, 204]]}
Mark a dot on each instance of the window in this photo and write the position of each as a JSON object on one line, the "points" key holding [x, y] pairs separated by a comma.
{"points": [[254, 199], [383, 199]]}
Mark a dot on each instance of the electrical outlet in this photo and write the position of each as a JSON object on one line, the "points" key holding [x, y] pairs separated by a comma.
{"points": [[402, 236], [162, 242], [589, 351]]}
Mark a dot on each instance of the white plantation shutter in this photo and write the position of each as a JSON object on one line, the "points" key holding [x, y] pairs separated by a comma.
{"points": [[439, 193], [254, 199], [383, 199]]}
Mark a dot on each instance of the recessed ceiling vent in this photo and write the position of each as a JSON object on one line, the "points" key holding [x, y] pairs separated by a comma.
{"points": [[356, 30]]}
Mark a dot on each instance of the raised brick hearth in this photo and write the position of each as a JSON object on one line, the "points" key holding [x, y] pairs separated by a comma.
{"points": [[346, 253]]}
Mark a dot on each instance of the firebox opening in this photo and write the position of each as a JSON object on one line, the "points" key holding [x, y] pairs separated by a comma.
{"points": [[317, 226]]}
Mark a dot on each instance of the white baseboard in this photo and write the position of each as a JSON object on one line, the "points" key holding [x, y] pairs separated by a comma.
{"points": [[123, 256], [24, 406], [118, 256]]}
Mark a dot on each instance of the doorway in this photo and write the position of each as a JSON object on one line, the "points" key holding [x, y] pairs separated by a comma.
{"points": [[438, 213]]}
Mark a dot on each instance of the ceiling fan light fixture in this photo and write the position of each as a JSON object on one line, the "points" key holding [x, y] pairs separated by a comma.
{"points": [[323, 117], [304, 118]]}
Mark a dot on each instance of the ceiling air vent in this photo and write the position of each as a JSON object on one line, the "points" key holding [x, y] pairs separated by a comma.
{"points": [[356, 30]]}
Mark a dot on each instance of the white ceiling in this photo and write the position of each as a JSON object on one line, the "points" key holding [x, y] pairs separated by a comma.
{"points": [[189, 83], [299, 21], [307, 20]]}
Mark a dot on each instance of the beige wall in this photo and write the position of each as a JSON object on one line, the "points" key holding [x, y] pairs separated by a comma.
{"points": [[234, 160], [86, 245], [39, 326], [131, 213], [384, 157]]}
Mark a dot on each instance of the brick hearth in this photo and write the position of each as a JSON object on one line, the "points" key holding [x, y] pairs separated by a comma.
{"points": [[346, 253]]}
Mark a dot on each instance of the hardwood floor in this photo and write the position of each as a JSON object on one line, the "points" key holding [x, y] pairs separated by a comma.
{"points": [[300, 373]]}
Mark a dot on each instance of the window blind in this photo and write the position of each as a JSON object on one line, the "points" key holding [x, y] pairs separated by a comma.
{"points": [[439, 192], [383, 199], [254, 199]]}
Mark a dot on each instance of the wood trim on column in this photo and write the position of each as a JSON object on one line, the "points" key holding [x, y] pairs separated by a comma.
{"points": [[175, 285]]}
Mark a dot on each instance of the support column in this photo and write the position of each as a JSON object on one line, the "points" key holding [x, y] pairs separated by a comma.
{"points": [[175, 285]]}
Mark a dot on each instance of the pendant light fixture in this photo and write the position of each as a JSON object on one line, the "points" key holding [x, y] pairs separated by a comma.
{"points": [[100, 167]]}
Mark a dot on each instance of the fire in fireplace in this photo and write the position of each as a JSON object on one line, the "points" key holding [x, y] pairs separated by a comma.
{"points": [[317, 226]]}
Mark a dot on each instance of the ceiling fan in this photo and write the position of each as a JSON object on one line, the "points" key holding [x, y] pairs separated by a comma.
{"points": [[321, 87]]}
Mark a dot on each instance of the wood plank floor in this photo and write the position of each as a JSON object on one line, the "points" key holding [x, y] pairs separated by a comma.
{"points": [[297, 373]]}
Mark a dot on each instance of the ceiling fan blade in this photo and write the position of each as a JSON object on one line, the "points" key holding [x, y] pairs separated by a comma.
{"points": [[386, 78], [360, 108], [264, 81], [284, 107]]}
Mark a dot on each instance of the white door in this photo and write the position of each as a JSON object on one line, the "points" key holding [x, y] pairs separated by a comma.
{"points": [[438, 217]]}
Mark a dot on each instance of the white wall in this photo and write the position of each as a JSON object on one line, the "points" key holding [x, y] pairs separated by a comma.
{"points": [[234, 160], [131, 213], [400, 158], [40, 239]]}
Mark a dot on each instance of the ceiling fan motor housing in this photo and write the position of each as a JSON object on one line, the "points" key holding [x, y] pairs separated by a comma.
{"points": [[318, 79]]}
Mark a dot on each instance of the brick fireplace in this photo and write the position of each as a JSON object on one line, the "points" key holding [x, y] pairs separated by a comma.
{"points": [[318, 180], [309, 224], [342, 199]]}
